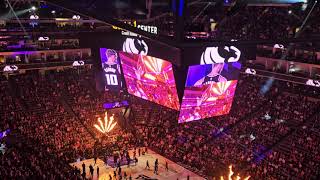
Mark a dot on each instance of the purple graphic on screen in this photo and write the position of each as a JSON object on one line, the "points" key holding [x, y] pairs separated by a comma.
{"points": [[115, 105], [212, 73], [111, 69]]}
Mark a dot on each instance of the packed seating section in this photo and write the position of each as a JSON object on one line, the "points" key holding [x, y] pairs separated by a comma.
{"points": [[53, 115]]}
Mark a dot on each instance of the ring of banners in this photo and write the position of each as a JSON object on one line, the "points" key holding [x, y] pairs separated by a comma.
{"points": [[209, 89]]}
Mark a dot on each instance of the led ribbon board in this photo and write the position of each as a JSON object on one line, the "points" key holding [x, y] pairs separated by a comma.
{"points": [[115, 105]]}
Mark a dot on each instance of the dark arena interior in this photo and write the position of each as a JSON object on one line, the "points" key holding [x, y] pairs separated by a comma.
{"points": [[160, 89]]}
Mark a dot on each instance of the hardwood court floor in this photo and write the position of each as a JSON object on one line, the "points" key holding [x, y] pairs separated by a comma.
{"points": [[175, 171]]}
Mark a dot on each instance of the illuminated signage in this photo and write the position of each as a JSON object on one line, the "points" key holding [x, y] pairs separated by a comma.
{"points": [[312, 82], [115, 105], [34, 16], [224, 54], [78, 63], [150, 29], [250, 71], [147, 28], [43, 38], [111, 69], [278, 46], [135, 46], [10, 68], [108, 124], [128, 33]]}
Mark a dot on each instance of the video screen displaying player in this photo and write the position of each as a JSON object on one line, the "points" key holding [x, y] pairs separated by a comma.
{"points": [[150, 78], [111, 69], [212, 73], [209, 91], [206, 101]]}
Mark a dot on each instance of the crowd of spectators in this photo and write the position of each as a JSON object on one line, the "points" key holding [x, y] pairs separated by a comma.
{"points": [[297, 156], [238, 138], [55, 113], [254, 22], [267, 135], [30, 159], [296, 54]]}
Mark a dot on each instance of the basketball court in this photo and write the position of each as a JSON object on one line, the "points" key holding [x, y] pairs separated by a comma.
{"points": [[139, 170]]}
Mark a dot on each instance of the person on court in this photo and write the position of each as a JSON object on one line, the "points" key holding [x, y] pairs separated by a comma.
{"points": [[83, 169], [167, 167], [147, 165], [91, 170], [97, 171], [95, 160], [156, 165], [135, 161]]}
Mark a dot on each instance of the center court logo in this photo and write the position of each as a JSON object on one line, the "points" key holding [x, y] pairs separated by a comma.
{"points": [[135, 46], [217, 54]]}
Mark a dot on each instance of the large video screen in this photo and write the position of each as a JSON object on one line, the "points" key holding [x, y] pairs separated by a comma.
{"points": [[209, 91], [207, 101], [150, 78], [131, 44], [111, 69]]}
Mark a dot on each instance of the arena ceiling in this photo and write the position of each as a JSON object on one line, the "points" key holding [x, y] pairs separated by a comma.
{"points": [[152, 12]]}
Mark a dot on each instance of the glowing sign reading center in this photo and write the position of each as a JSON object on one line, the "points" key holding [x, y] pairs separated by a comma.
{"points": [[149, 29]]}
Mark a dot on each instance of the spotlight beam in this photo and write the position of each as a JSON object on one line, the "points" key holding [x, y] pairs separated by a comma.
{"points": [[200, 13], [11, 9], [110, 21], [301, 29]]}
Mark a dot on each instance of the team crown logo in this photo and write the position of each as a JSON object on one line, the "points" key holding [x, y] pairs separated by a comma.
{"points": [[224, 54], [312, 82], [78, 63], [135, 46], [10, 68]]}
